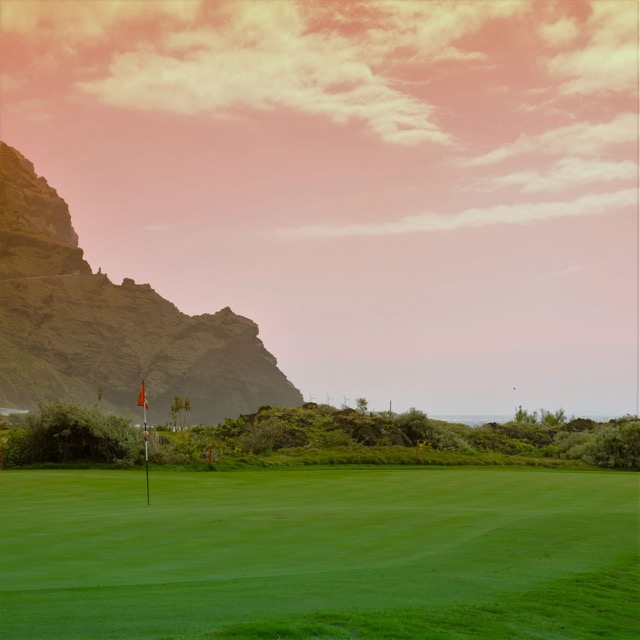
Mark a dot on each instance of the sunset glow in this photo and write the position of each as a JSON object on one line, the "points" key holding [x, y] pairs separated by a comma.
{"points": [[433, 204]]}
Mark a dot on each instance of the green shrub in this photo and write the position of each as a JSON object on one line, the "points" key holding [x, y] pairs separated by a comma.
{"points": [[552, 418], [488, 439], [579, 424], [572, 445], [332, 438], [271, 434], [615, 446], [61, 432], [416, 426], [528, 432], [360, 427]]}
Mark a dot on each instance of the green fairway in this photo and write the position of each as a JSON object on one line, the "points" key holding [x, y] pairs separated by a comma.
{"points": [[319, 553]]}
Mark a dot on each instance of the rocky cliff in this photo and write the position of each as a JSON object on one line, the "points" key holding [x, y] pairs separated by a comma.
{"points": [[66, 333]]}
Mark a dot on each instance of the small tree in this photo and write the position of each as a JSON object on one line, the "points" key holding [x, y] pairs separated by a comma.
{"points": [[181, 413], [522, 415], [553, 419]]}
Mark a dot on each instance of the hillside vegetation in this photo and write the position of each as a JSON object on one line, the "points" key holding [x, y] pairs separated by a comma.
{"points": [[73, 434]]}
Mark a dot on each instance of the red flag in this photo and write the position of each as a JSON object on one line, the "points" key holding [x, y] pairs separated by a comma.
{"points": [[142, 397]]}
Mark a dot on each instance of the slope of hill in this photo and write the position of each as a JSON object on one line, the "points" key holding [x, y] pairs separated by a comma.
{"points": [[66, 333]]}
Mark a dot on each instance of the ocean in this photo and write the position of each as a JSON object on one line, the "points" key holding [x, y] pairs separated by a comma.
{"points": [[476, 420]]}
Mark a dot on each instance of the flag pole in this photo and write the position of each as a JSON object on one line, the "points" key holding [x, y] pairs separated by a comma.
{"points": [[142, 402], [146, 454]]}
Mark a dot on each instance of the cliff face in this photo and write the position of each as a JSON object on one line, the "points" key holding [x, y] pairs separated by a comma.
{"points": [[36, 235], [66, 333]]}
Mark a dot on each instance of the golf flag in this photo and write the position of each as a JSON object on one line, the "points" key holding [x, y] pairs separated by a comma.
{"points": [[142, 397], [142, 402]]}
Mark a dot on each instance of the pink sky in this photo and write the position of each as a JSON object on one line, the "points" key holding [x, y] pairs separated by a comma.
{"points": [[428, 203]]}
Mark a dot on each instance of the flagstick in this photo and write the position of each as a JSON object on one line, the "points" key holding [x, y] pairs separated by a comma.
{"points": [[146, 450]]}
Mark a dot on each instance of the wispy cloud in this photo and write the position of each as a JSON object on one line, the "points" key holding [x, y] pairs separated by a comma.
{"points": [[609, 61], [72, 24], [34, 109], [9, 83], [216, 80], [559, 33], [264, 64], [512, 214], [568, 272], [566, 173], [294, 55], [453, 53], [579, 139]]}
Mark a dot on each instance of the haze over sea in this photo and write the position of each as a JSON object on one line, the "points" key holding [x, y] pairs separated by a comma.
{"points": [[476, 420]]}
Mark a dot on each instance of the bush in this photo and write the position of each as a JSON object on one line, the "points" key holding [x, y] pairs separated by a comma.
{"points": [[271, 434], [65, 433], [579, 424], [489, 439], [616, 446], [531, 433], [416, 426], [573, 444]]}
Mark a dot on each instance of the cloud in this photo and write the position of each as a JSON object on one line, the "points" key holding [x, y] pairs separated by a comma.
{"points": [[332, 60], [74, 23], [455, 54], [427, 30], [9, 82], [34, 109], [566, 173], [568, 272], [582, 138], [513, 214], [559, 33], [609, 61], [265, 59]]}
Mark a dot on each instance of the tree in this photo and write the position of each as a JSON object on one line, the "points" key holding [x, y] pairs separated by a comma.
{"points": [[181, 413], [522, 415], [553, 419]]}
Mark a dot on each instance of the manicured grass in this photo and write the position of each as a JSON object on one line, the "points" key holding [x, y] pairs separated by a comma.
{"points": [[432, 552]]}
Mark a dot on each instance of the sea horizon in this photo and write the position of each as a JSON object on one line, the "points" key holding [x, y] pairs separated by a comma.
{"points": [[474, 420]]}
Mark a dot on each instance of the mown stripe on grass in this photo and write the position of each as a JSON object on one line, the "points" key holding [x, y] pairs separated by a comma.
{"points": [[589, 606]]}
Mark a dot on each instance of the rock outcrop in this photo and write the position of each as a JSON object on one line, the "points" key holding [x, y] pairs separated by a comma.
{"points": [[67, 333]]}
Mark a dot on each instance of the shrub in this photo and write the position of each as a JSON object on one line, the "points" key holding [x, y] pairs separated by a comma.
{"points": [[573, 444], [271, 434], [522, 415], [552, 418], [532, 433], [579, 424], [416, 426], [616, 446], [490, 440], [333, 438], [412, 424], [62, 432], [361, 428]]}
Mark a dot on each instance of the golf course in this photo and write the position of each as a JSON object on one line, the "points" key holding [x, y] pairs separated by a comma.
{"points": [[325, 553]]}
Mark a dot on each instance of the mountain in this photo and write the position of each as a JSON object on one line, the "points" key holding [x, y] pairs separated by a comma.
{"points": [[68, 333]]}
